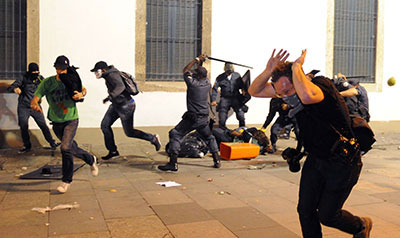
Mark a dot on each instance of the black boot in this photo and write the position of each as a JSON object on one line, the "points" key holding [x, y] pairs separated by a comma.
{"points": [[217, 160], [172, 165]]}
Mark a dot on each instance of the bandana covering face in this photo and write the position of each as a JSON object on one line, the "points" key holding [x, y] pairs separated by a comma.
{"points": [[295, 103], [98, 73]]}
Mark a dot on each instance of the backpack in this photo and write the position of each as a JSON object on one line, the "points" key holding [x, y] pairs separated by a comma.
{"points": [[363, 133], [192, 146], [131, 85]]}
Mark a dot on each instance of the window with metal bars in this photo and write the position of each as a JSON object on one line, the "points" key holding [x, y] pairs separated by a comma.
{"points": [[173, 37], [12, 38], [355, 39]]}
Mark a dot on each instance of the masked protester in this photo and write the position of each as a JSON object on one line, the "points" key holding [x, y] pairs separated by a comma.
{"points": [[122, 106], [333, 165], [195, 118], [25, 87], [63, 114], [232, 88]]}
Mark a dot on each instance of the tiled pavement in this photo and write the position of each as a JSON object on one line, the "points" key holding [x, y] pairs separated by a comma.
{"points": [[234, 201]]}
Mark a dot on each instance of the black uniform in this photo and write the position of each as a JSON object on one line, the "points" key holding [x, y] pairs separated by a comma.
{"points": [[327, 178], [28, 84], [196, 117], [283, 121], [230, 97], [363, 103], [351, 102]]}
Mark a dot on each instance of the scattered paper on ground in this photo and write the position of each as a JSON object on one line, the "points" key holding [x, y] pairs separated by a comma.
{"points": [[58, 207], [169, 184]]}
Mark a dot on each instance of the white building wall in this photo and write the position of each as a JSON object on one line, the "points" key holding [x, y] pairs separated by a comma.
{"points": [[242, 31]]}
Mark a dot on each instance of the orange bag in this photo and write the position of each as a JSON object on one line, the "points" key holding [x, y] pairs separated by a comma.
{"points": [[238, 150]]}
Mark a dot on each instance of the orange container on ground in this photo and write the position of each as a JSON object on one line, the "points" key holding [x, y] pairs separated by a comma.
{"points": [[238, 150]]}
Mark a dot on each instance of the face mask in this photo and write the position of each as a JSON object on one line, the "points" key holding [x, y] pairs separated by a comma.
{"points": [[294, 102], [98, 73]]}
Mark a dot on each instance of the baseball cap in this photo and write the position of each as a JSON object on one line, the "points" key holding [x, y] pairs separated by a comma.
{"points": [[99, 65], [62, 62]]}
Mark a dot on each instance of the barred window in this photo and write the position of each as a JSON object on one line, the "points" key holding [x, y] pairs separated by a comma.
{"points": [[355, 38], [12, 38], [173, 37]]}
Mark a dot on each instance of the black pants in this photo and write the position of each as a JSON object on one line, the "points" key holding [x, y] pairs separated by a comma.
{"points": [[224, 106], [125, 112], [23, 121], [324, 187], [69, 148], [184, 127]]}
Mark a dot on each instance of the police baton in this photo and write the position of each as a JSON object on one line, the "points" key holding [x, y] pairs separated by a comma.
{"points": [[225, 61]]}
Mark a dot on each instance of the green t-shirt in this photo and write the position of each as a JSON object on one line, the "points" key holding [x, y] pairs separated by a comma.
{"points": [[61, 107]]}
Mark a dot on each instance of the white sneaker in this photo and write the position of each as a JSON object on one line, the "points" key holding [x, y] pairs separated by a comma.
{"points": [[94, 168], [63, 187]]}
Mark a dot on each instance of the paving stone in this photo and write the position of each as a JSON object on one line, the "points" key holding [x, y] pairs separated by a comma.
{"points": [[245, 191], [203, 187], [181, 213], [114, 193], [21, 217], [111, 183], [209, 229], [138, 227], [86, 202], [243, 218], [386, 211], [27, 200], [81, 220], [368, 187], [104, 234], [23, 185], [274, 231], [18, 231], [128, 207], [271, 203], [143, 175], [392, 197], [77, 187], [146, 185], [358, 198], [214, 200], [165, 195]]}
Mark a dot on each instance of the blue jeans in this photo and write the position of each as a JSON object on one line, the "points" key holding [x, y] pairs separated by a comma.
{"points": [[23, 121], [125, 112], [324, 187], [69, 148]]}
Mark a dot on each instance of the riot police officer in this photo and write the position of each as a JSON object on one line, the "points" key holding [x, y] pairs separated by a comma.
{"points": [[362, 97], [196, 117], [348, 92], [282, 122], [232, 88]]}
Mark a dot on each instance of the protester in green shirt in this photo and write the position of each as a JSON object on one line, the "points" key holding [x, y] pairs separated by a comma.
{"points": [[64, 116]]}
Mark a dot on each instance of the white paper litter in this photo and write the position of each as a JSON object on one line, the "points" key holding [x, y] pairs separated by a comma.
{"points": [[58, 207], [169, 184]]}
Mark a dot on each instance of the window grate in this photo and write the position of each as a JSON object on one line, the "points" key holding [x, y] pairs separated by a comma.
{"points": [[355, 38], [173, 37], [12, 38]]}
